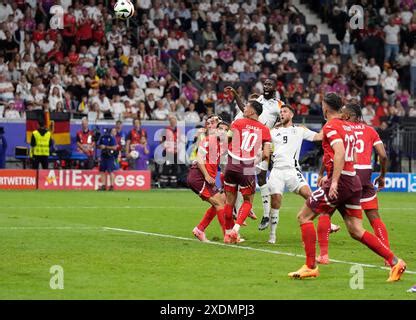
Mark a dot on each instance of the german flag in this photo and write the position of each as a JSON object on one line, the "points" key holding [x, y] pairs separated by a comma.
{"points": [[57, 122], [60, 127], [32, 119]]}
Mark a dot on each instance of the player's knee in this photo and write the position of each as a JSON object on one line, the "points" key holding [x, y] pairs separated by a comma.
{"points": [[355, 233], [261, 178], [276, 200], [372, 215]]}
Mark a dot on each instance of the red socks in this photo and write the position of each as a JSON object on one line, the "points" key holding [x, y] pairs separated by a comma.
{"points": [[228, 215], [243, 212], [206, 220], [309, 242], [324, 228], [380, 231], [377, 246], [221, 219]]}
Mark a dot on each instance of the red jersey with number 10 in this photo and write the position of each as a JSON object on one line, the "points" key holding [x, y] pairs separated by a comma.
{"points": [[366, 138], [248, 136], [338, 130]]}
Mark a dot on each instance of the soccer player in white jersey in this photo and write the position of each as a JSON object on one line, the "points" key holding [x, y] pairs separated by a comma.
{"points": [[269, 117], [287, 142]]}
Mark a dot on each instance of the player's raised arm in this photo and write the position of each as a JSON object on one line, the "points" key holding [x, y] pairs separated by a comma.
{"points": [[236, 96], [381, 152]]}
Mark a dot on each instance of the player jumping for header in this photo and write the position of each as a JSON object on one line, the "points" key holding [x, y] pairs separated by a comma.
{"points": [[248, 137]]}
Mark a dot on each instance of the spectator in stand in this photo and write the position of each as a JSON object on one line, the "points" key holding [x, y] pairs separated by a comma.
{"points": [[392, 41], [160, 112], [370, 98], [373, 73], [390, 85], [191, 115], [368, 113], [313, 37]]}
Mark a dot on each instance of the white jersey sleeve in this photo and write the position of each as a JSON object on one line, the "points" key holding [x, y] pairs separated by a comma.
{"points": [[308, 134]]}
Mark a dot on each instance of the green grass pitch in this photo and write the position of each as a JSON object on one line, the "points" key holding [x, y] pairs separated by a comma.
{"points": [[42, 229]]}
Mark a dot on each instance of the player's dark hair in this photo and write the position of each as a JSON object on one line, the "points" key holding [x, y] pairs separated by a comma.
{"points": [[256, 106], [333, 100], [224, 123], [355, 109], [214, 116], [289, 107]]}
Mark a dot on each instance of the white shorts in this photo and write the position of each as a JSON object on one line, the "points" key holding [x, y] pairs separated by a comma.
{"points": [[264, 166], [292, 179]]}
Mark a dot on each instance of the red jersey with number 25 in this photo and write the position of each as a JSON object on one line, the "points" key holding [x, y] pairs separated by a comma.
{"points": [[366, 138], [338, 130], [248, 136]]}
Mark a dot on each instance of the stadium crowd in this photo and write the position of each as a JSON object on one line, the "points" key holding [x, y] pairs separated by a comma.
{"points": [[176, 58]]}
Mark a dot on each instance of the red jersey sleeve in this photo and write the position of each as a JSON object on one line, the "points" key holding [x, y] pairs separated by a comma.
{"points": [[266, 137], [331, 132], [375, 137]]}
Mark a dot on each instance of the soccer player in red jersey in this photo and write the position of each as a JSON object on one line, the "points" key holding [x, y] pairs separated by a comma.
{"points": [[341, 190], [248, 137], [366, 139], [201, 176]]}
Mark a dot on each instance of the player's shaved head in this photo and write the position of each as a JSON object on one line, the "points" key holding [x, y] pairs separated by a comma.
{"points": [[253, 96]]}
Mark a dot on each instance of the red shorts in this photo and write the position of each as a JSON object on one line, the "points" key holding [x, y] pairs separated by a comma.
{"points": [[197, 183], [234, 181], [348, 201], [368, 195]]}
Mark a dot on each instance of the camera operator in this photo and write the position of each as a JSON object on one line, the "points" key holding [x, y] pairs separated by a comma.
{"points": [[108, 146], [86, 140]]}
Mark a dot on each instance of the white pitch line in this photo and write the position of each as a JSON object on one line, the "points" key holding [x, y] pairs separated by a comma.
{"points": [[49, 228], [152, 207], [246, 248]]}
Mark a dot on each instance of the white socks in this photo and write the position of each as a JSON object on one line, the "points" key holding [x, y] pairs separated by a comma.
{"points": [[274, 220], [265, 198], [236, 228]]}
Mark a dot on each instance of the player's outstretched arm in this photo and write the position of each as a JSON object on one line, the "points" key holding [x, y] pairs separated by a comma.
{"points": [[319, 136], [382, 155], [237, 98]]}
